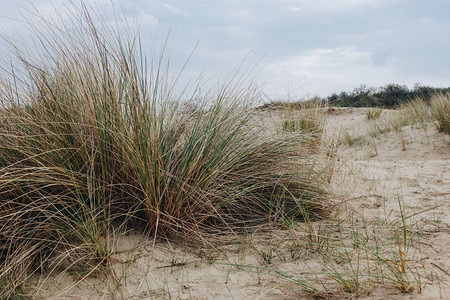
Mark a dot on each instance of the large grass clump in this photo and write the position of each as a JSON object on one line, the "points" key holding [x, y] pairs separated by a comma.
{"points": [[440, 104], [92, 139], [415, 112], [418, 112]]}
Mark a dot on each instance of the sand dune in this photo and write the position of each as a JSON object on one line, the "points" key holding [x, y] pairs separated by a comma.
{"points": [[376, 180]]}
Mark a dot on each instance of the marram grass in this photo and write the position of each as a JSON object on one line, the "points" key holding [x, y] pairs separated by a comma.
{"points": [[92, 140], [373, 113], [306, 119], [440, 107]]}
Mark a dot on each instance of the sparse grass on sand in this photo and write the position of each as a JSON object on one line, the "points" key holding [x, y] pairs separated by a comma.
{"points": [[353, 255], [307, 119], [91, 144]]}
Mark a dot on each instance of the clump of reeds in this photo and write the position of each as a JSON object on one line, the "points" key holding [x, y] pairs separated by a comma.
{"points": [[302, 104], [306, 118], [91, 137], [414, 112], [373, 113], [440, 105]]}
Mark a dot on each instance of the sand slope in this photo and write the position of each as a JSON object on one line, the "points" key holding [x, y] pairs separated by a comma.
{"points": [[374, 178]]}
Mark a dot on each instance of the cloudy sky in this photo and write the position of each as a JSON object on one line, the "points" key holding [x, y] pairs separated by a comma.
{"points": [[302, 48]]}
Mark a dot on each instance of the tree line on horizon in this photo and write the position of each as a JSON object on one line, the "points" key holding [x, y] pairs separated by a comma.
{"points": [[388, 96]]}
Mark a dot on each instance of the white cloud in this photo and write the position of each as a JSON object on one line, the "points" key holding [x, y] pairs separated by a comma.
{"points": [[174, 10], [332, 6], [322, 71]]}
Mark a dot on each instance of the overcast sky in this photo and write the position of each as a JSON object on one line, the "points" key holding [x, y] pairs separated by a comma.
{"points": [[304, 48]]}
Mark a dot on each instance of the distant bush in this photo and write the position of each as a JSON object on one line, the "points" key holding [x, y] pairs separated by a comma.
{"points": [[389, 96]]}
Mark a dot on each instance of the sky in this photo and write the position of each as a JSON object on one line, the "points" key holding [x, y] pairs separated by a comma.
{"points": [[300, 48]]}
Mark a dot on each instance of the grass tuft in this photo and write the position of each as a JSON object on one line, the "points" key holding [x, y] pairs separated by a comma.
{"points": [[308, 119], [440, 105], [373, 113]]}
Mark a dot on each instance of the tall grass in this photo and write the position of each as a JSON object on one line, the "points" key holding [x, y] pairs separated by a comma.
{"points": [[440, 104], [419, 112], [415, 112], [94, 139]]}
